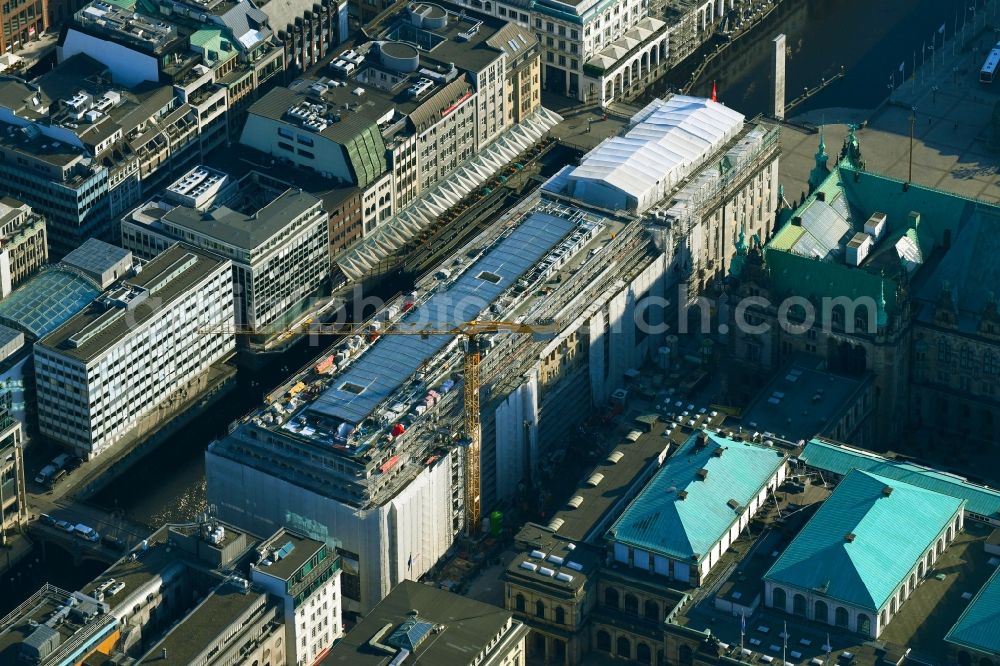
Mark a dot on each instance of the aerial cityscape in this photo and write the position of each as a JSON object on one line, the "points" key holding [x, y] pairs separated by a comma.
{"points": [[500, 332]]}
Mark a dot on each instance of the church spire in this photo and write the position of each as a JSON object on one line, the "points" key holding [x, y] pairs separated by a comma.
{"points": [[821, 170], [882, 316]]}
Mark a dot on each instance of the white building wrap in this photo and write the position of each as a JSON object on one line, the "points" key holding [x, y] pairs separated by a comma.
{"points": [[416, 523], [128, 67], [516, 436]]}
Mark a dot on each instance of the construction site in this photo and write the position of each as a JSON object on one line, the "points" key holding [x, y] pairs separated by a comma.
{"points": [[456, 399]]}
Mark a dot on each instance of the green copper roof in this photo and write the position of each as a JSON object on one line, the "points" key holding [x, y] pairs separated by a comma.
{"points": [[978, 627], [366, 154], [660, 521], [214, 43], [841, 460], [127, 5], [891, 532]]}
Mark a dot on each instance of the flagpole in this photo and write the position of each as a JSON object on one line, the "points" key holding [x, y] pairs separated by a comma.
{"points": [[784, 645], [913, 74]]}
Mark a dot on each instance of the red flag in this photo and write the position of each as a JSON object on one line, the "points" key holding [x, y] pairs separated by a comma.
{"points": [[715, 93]]}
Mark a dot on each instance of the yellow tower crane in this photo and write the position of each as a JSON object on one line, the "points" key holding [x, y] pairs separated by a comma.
{"points": [[470, 330]]}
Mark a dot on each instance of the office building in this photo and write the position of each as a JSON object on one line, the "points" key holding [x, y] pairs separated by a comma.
{"points": [[57, 292], [304, 575], [23, 23], [23, 248], [107, 373], [416, 118], [900, 280], [13, 507], [55, 627], [189, 595], [426, 624], [276, 237], [370, 415]]}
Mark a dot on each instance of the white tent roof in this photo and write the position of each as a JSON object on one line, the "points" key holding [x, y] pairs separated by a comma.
{"points": [[667, 139]]}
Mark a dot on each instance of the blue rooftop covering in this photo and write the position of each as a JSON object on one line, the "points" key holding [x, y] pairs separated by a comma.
{"points": [[393, 359], [978, 627], [840, 460], [661, 522], [47, 300], [891, 532]]}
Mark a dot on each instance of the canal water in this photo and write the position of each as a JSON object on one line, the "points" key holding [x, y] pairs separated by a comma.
{"points": [[869, 39]]}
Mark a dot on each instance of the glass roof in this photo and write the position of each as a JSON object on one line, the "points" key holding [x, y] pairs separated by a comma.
{"points": [[47, 300]]}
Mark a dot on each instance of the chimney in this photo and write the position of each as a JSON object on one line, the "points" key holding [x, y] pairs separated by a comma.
{"points": [[849, 537], [702, 473], [797, 221], [821, 196], [682, 494], [717, 453], [886, 491]]}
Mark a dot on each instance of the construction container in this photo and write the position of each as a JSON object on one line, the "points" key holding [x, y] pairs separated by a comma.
{"points": [[496, 524]]}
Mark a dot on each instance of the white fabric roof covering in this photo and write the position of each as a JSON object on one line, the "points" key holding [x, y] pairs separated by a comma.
{"points": [[667, 140]]}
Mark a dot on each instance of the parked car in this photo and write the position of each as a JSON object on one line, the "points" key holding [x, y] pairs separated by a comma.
{"points": [[64, 526], [47, 520], [73, 463], [113, 542], [86, 532]]}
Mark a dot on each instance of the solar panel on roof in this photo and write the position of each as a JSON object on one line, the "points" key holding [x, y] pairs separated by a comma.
{"points": [[384, 367]]}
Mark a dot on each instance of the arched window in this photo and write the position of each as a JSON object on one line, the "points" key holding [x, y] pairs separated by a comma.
{"points": [[779, 599], [519, 603], [624, 648], [944, 351], [940, 546], [685, 655], [965, 357], [884, 619], [643, 654], [822, 612], [929, 562], [892, 606], [799, 604], [631, 604], [539, 608], [611, 597], [651, 610], [985, 662], [840, 617], [864, 624], [603, 641], [560, 615], [913, 582]]}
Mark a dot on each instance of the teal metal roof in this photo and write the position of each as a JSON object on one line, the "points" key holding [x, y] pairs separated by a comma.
{"points": [[47, 300], [890, 534], [840, 460], [660, 520], [978, 627]]}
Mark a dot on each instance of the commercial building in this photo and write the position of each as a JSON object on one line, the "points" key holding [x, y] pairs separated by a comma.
{"points": [[54, 627], [79, 149], [189, 594], [695, 506], [899, 280], [834, 461], [276, 237], [371, 417], [107, 372], [417, 118], [421, 623], [13, 507], [23, 248], [22, 23], [862, 555], [603, 52], [305, 576]]}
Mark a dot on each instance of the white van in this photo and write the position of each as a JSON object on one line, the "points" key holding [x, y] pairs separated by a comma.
{"points": [[85, 532]]}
